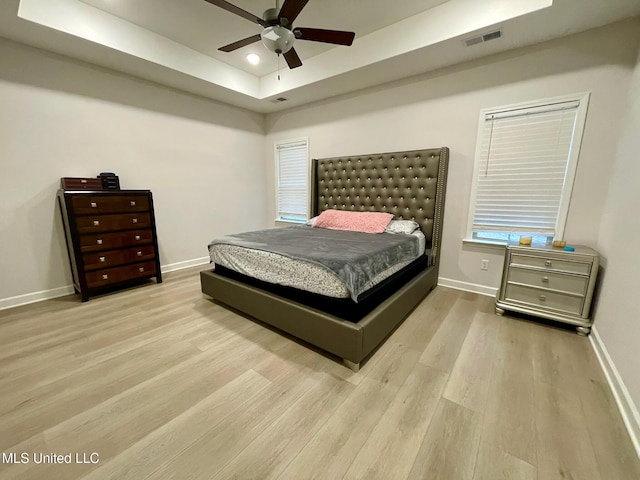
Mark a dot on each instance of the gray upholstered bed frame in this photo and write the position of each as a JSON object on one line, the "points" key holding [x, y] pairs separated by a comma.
{"points": [[410, 185]]}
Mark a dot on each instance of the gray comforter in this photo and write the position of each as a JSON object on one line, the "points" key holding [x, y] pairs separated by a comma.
{"points": [[355, 258]]}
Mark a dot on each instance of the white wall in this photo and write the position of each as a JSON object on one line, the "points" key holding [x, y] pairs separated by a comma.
{"points": [[442, 109], [617, 314], [202, 160]]}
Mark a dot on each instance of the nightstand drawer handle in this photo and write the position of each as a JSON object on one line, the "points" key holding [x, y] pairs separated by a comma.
{"points": [[542, 298], [141, 269], [102, 259], [139, 254], [137, 237], [96, 223], [105, 276], [133, 203], [99, 241], [547, 263], [94, 205], [545, 279], [135, 220]]}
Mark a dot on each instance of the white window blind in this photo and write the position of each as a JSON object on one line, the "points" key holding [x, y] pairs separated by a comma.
{"points": [[292, 163], [522, 160]]}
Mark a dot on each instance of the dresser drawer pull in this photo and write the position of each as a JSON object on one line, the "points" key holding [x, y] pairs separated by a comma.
{"points": [[134, 220], [133, 203], [105, 276], [141, 269], [542, 298], [83, 180], [547, 263], [99, 241], [137, 237], [96, 223], [139, 254], [102, 259], [545, 279], [94, 205]]}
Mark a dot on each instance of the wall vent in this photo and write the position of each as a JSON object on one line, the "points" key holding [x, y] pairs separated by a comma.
{"points": [[278, 100], [485, 37]]}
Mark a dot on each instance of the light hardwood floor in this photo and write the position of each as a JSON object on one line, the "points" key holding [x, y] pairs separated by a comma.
{"points": [[162, 383]]}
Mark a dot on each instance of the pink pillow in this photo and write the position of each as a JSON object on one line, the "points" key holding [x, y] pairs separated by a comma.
{"points": [[366, 222]]}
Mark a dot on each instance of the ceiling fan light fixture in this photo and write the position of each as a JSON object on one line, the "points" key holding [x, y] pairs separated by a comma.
{"points": [[277, 39]]}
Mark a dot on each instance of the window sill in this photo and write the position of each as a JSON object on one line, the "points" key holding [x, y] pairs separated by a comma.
{"points": [[293, 222], [484, 243]]}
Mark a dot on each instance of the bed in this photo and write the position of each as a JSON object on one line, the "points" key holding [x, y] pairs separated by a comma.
{"points": [[410, 185]]}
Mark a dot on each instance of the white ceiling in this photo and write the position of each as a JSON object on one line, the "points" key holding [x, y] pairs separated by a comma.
{"points": [[174, 42]]}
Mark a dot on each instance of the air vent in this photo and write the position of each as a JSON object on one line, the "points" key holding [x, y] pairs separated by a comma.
{"points": [[485, 37], [279, 100]]}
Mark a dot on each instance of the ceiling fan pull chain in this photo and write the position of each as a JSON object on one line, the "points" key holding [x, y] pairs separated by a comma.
{"points": [[278, 67]]}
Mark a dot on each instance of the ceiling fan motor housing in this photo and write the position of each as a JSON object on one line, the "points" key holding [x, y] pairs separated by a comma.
{"points": [[277, 39]]}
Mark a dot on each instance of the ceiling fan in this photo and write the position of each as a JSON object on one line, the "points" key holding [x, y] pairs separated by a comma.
{"points": [[279, 34]]}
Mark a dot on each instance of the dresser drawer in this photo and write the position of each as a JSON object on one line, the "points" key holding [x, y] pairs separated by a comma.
{"points": [[100, 278], [108, 241], [86, 204], [545, 299], [105, 223], [110, 258], [550, 263], [556, 281]]}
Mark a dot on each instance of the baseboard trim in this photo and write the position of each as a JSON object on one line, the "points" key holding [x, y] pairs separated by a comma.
{"points": [[468, 287], [27, 298], [34, 297], [627, 408], [172, 267]]}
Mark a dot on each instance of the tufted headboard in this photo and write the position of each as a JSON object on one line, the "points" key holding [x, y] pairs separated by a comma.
{"points": [[411, 185]]}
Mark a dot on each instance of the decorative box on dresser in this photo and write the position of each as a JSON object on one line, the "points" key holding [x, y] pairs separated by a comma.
{"points": [[550, 283], [111, 238]]}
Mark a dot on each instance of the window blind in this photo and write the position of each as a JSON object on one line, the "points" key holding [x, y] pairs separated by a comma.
{"points": [[523, 159], [292, 170]]}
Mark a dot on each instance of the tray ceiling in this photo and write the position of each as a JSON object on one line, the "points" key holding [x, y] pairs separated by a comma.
{"points": [[175, 42]]}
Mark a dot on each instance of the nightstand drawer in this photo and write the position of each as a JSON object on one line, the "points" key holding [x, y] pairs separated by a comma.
{"points": [[556, 281], [545, 299], [550, 263]]}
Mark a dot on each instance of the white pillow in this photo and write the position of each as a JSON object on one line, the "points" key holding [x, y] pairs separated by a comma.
{"points": [[402, 226], [311, 221]]}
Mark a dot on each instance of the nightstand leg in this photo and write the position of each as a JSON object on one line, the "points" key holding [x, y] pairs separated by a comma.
{"points": [[499, 311], [583, 331]]}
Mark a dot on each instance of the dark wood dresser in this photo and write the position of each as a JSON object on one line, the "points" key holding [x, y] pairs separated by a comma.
{"points": [[111, 238]]}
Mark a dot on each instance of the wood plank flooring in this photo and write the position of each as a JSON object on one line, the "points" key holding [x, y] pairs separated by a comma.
{"points": [[162, 383]]}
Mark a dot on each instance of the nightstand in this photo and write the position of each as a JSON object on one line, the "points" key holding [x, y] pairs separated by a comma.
{"points": [[550, 283]]}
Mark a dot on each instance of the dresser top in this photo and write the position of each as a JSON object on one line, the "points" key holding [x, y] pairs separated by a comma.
{"points": [[106, 192], [542, 249]]}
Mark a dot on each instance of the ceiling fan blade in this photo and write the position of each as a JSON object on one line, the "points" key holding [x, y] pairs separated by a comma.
{"points": [[240, 43], [292, 58], [327, 36], [291, 9], [238, 11]]}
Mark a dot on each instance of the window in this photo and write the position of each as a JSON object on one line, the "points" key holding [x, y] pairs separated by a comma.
{"points": [[292, 180], [526, 157]]}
